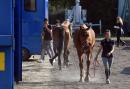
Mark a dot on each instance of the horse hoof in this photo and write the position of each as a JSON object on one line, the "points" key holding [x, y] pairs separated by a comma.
{"points": [[66, 63], [60, 68], [86, 79], [65, 66], [81, 81]]}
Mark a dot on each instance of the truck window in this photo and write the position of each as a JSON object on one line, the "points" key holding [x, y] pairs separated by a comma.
{"points": [[30, 5]]}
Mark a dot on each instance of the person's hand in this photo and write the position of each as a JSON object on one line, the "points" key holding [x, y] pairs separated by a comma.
{"points": [[117, 27], [109, 54], [46, 26]]}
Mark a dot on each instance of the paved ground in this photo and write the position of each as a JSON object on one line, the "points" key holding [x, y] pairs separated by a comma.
{"points": [[44, 76]]}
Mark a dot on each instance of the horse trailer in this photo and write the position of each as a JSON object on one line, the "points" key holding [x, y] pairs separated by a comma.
{"points": [[33, 14], [21, 26]]}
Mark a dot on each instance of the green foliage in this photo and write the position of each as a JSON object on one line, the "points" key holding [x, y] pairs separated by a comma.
{"points": [[59, 4]]}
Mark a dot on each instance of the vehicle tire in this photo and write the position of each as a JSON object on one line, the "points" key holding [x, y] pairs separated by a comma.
{"points": [[25, 54]]}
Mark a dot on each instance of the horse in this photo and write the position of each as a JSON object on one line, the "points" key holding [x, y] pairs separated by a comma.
{"points": [[84, 41], [60, 38]]}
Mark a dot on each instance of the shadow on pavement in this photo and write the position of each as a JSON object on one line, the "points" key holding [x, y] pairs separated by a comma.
{"points": [[126, 71], [126, 48], [57, 83]]}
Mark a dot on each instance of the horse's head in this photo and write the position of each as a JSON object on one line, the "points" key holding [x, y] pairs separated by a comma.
{"points": [[84, 37]]}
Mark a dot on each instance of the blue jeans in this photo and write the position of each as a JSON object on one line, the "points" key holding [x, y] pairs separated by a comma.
{"points": [[47, 47], [107, 64]]}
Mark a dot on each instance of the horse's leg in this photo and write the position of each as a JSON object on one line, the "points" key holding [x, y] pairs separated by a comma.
{"points": [[68, 52], [59, 58], [88, 66], [81, 67], [66, 48], [59, 61], [54, 47], [60, 47], [66, 55], [56, 54], [52, 59], [55, 51]]}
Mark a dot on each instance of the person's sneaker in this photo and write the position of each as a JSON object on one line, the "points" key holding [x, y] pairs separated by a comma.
{"points": [[40, 61], [51, 61], [123, 43], [54, 60], [108, 81]]}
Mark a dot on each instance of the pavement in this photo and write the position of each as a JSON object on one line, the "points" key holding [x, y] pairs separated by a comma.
{"points": [[44, 76]]}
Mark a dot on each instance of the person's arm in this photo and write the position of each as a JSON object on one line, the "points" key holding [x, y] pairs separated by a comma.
{"points": [[65, 24], [116, 27], [113, 47], [62, 24], [49, 29], [42, 34]]}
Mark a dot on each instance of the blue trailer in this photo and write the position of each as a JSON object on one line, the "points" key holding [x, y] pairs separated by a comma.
{"points": [[6, 44], [18, 41], [20, 28], [28, 24], [33, 14]]}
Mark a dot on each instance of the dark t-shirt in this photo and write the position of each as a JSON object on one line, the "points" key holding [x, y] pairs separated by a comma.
{"points": [[47, 35], [107, 47]]}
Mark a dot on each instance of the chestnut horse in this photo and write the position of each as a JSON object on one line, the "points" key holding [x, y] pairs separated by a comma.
{"points": [[84, 40]]}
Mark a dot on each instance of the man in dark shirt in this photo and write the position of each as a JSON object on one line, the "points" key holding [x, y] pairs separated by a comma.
{"points": [[107, 47], [47, 32], [47, 40]]}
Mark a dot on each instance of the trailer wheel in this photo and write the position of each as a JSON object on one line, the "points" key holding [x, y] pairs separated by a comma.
{"points": [[25, 54]]}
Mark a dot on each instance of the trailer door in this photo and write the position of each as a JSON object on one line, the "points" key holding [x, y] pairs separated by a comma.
{"points": [[33, 13]]}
